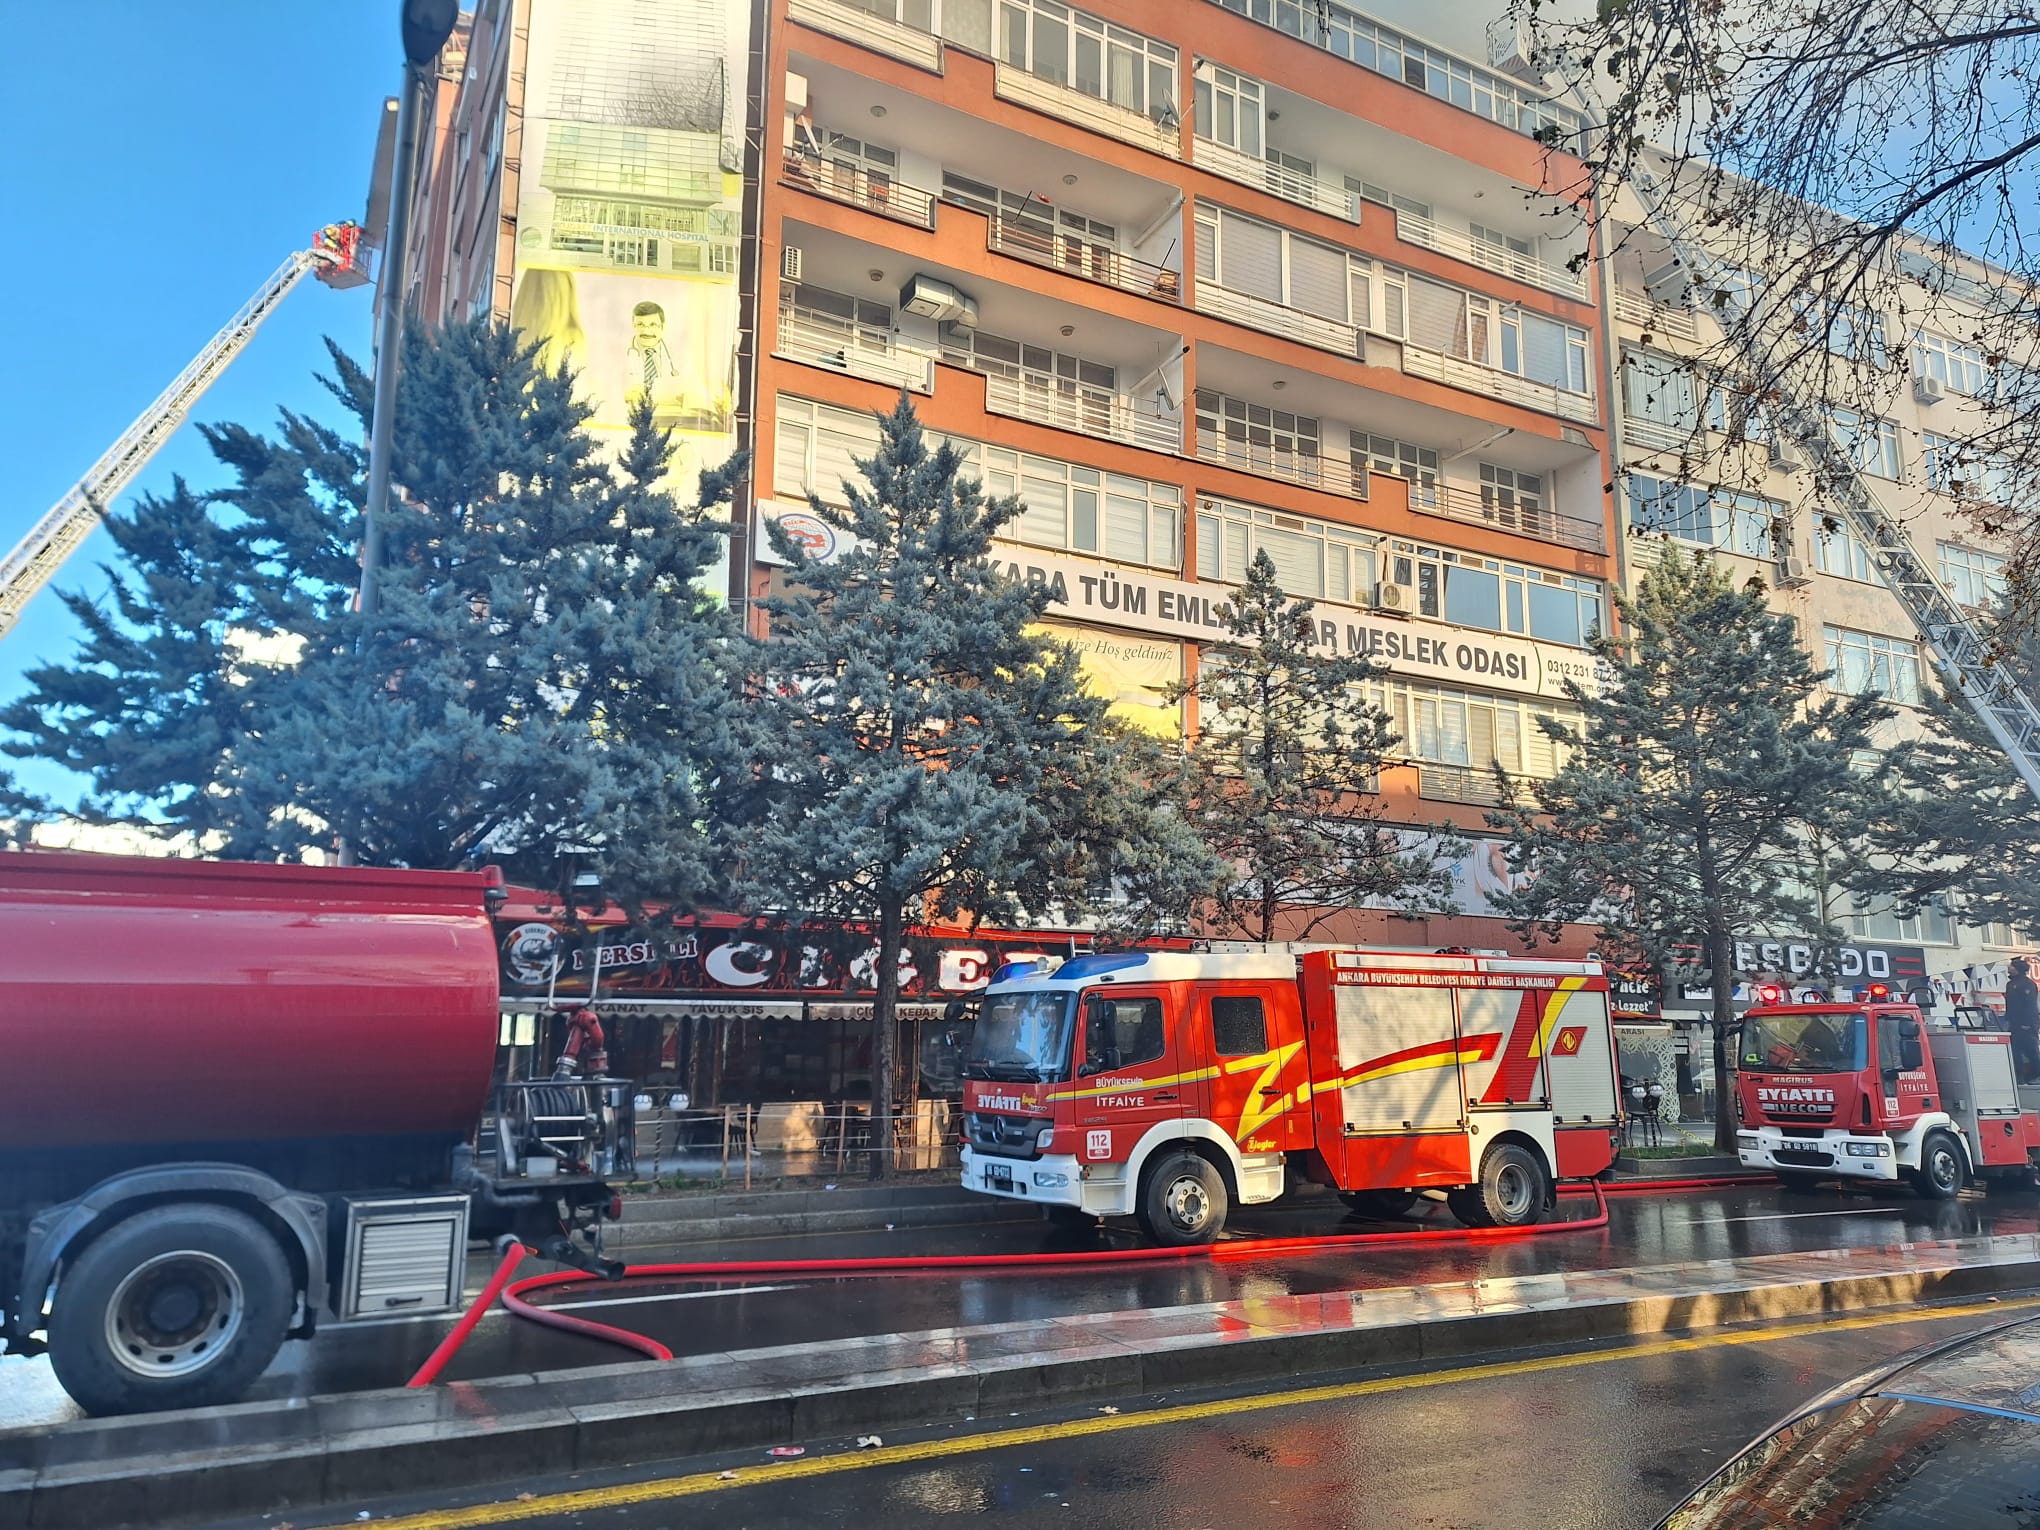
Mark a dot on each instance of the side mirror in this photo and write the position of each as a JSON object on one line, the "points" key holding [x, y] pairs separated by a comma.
{"points": [[1908, 1030], [1910, 1057]]}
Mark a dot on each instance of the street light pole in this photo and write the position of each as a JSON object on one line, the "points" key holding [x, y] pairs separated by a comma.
{"points": [[425, 25]]}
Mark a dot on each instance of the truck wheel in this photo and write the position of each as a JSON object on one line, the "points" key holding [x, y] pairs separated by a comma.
{"points": [[1183, 1201], [177, 1307], [1383, 1204], [1941, 1170], [1511, 1193]]}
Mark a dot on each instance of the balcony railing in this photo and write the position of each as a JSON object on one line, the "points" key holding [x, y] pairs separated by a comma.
{"points": [[881, 34], [1414, 228], [1458, 372], [1273, 318], [1457, 783], [1065, 405], [859, 187], [822, 341], [1633, 307], [1086, 111], [1310, 469], [1266, 175], [1078, 257], [1474, 508], [1651, 435]]}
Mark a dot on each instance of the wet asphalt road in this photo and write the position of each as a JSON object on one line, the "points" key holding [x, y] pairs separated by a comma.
{"points": [[756, 1312], [1556, 1440]]}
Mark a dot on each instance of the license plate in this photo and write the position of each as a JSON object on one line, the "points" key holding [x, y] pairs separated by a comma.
{"points": [[998, 1177]]}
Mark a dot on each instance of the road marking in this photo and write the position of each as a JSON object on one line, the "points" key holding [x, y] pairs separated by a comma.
{"points": [[660, 1490], [494, 1312], [1793, 1216]]}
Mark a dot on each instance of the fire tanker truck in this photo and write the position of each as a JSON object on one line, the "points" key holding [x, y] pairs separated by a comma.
{"points": [[240, 1102], [1172, 1086], [1869, 1090]]}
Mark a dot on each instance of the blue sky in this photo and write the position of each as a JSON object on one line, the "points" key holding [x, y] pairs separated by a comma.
{"points": [[162, 160]]}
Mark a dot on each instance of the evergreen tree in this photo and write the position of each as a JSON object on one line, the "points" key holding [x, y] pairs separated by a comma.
{"points": [[1684, 805], [918, 751], [1958, 827], [542, 686], [1283, 776]]}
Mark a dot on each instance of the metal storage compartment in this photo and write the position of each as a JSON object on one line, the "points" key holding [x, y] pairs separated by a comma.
{"points": [[403, 1256]]}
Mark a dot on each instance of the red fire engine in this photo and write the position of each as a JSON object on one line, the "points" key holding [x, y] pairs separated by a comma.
{"points": [[1171, 1086], [1870, 1090]]}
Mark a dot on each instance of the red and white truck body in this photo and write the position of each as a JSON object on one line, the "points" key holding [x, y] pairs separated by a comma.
{"points": [[1102, 1086], [1871, 1091]]}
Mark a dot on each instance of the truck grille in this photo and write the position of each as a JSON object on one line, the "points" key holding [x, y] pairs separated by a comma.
{"points": [[1810, 1158], [1005, 1136]]}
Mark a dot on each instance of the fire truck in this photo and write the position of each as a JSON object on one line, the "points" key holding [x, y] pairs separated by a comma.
{"points": [[1172, 1086], [1870, 1090]]}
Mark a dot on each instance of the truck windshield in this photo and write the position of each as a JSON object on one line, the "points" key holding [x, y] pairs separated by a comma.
{"points": [[1827, 1042], [1022, 1038]]}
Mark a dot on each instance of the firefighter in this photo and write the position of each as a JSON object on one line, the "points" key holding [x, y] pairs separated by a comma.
{"points": [[585, 1045], [2022, 1019]]}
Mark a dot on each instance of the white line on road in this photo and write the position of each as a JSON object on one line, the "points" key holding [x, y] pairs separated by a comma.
{"points": [[611, 1301], [1793, 1216]]}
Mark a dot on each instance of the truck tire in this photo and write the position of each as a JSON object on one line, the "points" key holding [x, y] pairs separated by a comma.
{"points": [[1942, 1169], [1183, 1201], [1385, 1205], [1511, 1193], [180, 1306]]}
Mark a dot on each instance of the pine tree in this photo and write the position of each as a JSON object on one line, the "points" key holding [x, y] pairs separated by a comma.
{"points": [[1705, 758], [919, 752], [541, 688], [1284, 771], [1958, 826]]}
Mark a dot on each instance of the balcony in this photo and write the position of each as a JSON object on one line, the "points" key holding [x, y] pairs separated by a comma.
{"points": [[1333, 335], [881, 34], [1277, 180], [821, 340], [1086, 111], [1470, 506], [1633, 307], [1457, 783], [1457, 372], [1309, 469], [1651, 435], [1065, 405], [1414, 228], [1076, 257], [859, 187]]}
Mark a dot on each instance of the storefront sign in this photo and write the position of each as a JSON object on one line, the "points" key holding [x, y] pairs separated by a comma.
{"points": [[1636, 990], [707, 962], [1133, 673], [1141, 600]]}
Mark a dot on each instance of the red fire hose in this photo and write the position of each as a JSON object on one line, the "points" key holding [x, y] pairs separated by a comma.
{"points": [[450, 1345]]}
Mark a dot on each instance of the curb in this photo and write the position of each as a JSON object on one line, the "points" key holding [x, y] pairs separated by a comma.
{"points": [[269, 1457]]}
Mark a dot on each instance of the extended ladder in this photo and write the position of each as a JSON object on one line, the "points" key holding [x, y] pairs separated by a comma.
{"points": [[335, 254]]}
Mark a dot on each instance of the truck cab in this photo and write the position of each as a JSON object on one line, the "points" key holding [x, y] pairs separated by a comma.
{"points": [[1871, 1091]]}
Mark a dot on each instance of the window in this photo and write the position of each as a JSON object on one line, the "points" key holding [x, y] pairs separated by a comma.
{"points": [[1849, 331], [1973, 578], [1659, 390], [1957, 366], [1228, 109], [1122, 1032], [1871, 444], [1260, 260], [1841, 552], [1495, 596], [1954, 468], [1368, 191], [1448, 727], [1511, 498], [1476, 328], [1418, 465], [1088, 54], [868, 323], [1082, 509], [1238, 1026], [1254, 436], [1312, 558], [1037, 365], [1360, 40], [817, 446], [1878, 920], [1725, 518], [1868, 662], [2001, 935]]}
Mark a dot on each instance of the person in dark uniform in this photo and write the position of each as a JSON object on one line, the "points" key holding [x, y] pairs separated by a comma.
{"points": [[2022, 1019]]}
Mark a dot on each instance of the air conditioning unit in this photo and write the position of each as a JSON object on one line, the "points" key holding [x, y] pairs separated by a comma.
{"points": [[1929, 390], [789, 263], [928, 298], [1510, 49], [1395, 599], [1668, 284], [1792, 573], [1786, 456]]}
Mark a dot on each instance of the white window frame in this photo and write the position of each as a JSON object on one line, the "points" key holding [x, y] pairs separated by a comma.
{"points": [[1842, 553], [1738, 522], [1956, 365], [1086, 496], [1215, 89], [1856, 658], [1974, 577], [1428, 570], [1227, 532], [1871, 443]]}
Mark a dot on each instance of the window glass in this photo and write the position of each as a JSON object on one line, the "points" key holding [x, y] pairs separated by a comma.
{"points": [[1473, 598], [1238, 1027], [1122, 1032], [1554, 614]]}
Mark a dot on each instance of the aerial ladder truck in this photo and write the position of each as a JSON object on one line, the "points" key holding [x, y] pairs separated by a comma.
{"points": [[335, 257]]}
